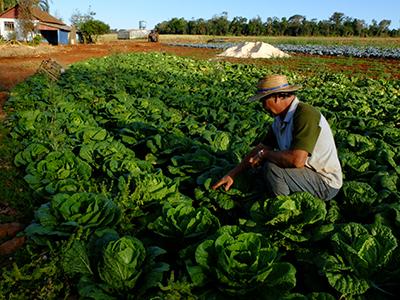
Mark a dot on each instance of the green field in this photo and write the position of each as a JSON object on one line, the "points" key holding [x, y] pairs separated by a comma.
{"points": [[110, 167]]}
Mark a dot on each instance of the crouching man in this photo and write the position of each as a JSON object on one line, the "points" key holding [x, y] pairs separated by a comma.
{"points": [[299, 152]]}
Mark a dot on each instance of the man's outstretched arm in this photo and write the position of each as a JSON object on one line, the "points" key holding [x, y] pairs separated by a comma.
{"points": [[250, 160]]}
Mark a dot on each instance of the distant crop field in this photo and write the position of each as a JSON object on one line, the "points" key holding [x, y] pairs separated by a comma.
{"points": [[384, 42], [355, 41]]}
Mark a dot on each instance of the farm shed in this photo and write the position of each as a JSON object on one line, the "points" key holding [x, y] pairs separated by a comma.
{"points": [[132, 34], [53, 30]]}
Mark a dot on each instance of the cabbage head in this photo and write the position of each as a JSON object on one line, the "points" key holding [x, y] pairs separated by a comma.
{"points": [[65, 213], [184, 221], [292, 216], [241, 262], [122, 263], [361, 254]]}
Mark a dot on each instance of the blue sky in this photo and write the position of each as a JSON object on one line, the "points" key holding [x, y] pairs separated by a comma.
{"points": [[124, 14]]}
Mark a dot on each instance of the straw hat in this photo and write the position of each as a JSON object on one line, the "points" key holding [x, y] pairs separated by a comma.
{"points": [[271, 85]]}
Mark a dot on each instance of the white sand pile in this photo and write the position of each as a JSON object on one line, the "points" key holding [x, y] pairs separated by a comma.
{"points": [[254, 50]]}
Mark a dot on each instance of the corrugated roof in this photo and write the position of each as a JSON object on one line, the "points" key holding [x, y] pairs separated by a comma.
{"points": [[45, 17], [57, 26]]}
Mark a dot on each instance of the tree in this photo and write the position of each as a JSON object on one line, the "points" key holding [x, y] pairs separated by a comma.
{"points": [[77, 18], [324, 28], [43, 5], [359, 27], [337, 19], [178, 26], [295, 25], [384, 27], [338, 24], [256, 26], [268, 25], [202, 26], [347, 27], [238, 26], [219, 25], [198, 26], [25, 18], [91, 30], [373, 28], [313, 27], [283, 26], [6, 4]]}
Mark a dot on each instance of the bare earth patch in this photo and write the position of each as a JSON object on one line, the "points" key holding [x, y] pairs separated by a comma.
{"points": [[23, 50], [19, 62]]}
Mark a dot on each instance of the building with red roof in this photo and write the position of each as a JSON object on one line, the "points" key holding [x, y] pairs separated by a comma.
{"points": [[53, 30]]}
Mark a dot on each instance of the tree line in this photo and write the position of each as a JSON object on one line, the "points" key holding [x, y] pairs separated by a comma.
{"points": [[297, 25]]}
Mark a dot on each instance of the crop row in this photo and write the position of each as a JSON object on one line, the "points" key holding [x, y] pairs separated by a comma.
{"points": [[346, 51], [120, 154]]}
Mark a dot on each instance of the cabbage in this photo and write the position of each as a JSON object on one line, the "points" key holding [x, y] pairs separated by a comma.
{"points": [[241, 262], [122, 263]]}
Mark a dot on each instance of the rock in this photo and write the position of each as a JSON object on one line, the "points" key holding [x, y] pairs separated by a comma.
{"points": [[10, 229], [12, 245]]}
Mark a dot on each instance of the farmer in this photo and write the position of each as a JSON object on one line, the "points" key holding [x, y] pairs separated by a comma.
{"points": [[298, 152]]}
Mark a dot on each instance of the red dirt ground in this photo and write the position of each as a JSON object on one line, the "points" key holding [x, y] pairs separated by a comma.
{"points": [[16, 68], [16, 64]]}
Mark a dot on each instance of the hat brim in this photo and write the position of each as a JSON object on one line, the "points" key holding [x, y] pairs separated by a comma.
{"points": [[286, 89]]}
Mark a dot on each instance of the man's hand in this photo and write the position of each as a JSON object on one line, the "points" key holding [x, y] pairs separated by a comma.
{"points": [[256, 156], [253, 159], [226, 181]]}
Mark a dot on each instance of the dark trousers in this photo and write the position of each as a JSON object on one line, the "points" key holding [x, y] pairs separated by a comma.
{"points": [[284, 181]]}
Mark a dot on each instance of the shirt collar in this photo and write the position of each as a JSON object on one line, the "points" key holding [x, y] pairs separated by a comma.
{"points": [[290, 112]]}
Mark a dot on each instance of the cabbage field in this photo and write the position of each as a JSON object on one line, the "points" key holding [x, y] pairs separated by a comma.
{"points": [[120, 152], [329, 50]]}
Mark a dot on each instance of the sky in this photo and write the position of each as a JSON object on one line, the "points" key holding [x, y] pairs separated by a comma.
{"points": [[125, 14]]}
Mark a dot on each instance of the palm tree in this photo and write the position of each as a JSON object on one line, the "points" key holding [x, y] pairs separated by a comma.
{"points": [[5, 4], [43, 5]]}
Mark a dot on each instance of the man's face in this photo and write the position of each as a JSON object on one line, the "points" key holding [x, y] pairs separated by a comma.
{"points": [[270, 104]]}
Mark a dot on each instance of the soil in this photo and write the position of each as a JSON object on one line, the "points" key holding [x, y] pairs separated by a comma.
{"points": [[19, 62]]}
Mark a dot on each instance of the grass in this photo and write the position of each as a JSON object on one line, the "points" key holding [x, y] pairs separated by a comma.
{"points": [[112, 37]]}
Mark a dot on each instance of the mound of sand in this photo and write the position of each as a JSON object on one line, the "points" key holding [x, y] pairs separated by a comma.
{"points": [[253, 50]]}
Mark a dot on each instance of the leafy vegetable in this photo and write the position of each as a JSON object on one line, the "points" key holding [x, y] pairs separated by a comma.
{"points": [[241, 262], [184, 221], [65, 213], [293, 217], [122, 263], [360, 253]]}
